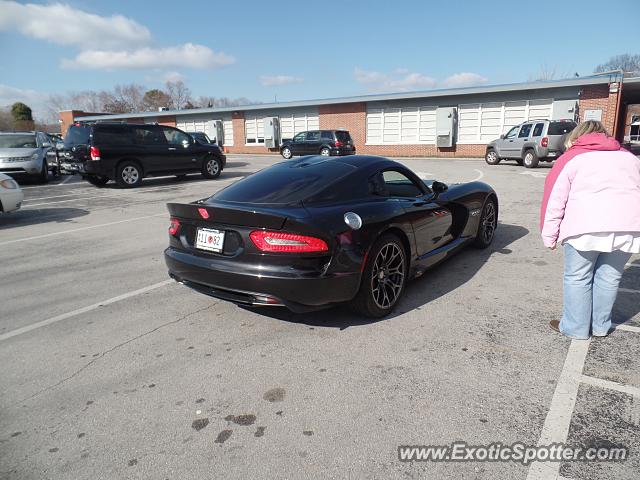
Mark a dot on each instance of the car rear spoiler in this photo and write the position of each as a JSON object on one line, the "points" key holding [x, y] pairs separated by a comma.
{"points": [[230, 215]]}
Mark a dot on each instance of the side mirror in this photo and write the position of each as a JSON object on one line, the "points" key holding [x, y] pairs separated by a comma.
{"points": [[439, 187], [502, 137], [46, 145]]}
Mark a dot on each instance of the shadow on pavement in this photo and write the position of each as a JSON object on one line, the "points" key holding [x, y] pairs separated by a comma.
{"points": [[38, 216], [442, 279]]}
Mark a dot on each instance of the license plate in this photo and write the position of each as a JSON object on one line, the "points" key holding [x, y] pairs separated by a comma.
{"points": [[210, 240]]}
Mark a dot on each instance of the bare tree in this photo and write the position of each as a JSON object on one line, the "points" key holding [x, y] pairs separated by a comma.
{"points": [[179, 94], [221, 102], [155, 99], [626, 62], [129, 97], [548, 72], [6, 119]]}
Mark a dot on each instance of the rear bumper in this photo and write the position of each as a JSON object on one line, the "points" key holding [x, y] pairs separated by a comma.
{"points": [[297, 291], [343, 151], [11, 201]]}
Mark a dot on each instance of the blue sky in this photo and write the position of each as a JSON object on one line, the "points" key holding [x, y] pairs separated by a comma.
{"points": [[300, 50]]}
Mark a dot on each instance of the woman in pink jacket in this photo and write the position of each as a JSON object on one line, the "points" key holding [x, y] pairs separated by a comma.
{"points": [[591, 206]]}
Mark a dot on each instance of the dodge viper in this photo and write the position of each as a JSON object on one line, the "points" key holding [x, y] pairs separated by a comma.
{"points": [[319, 231]]}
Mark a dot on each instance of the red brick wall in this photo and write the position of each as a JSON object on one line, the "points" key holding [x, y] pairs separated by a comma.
{"points": [[353, 117], [237, 120], [66, 118], [168, 120], [597, 97]]}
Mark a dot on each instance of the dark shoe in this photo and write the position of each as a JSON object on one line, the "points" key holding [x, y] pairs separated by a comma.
{"points": [[595, 335], [555, 325]]}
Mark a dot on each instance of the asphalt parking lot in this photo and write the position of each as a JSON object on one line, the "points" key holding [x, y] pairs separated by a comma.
{"points": [[110, 370]]}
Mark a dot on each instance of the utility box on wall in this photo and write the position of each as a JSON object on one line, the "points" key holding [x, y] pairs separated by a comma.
{"points": [[216, 127], [271, 132], [446, 121]]}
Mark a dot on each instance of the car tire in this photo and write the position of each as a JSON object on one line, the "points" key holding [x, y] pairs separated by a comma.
{"points": [[211, 167], [491, 157], [377, 285], [325, 151], [43, 176], [97, 180], [286, 153], [519, 161], [530, 159], [488, 224], [129, 174]]}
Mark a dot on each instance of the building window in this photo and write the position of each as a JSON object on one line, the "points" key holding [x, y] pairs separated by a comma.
{"points": [[254, 130], [401, 125]]}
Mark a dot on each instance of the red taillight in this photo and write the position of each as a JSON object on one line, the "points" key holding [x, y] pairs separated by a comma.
{"points": [[174, 226], [339, 144], [94, 153], [204, 213], [286, 242], [544, 142]]}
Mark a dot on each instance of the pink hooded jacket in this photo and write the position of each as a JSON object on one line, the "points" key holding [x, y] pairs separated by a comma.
{"points": [[593, 187]]}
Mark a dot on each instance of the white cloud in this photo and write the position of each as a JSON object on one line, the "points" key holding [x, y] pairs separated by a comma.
{"points": [[400, 80], [65, 25], [464, 79], [174, 77], [188, 55], [36, 100], [271, 80]]}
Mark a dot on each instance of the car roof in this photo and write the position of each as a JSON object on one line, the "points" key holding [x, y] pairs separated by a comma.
{"points": [[358, 161]]}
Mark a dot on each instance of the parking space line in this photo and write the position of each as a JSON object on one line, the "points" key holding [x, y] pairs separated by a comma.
{"points": [[556, 425], [608, 384], [116, 194], [66, 180], [79, 311], [480, 175], [628, 290], [628, 328], [53, 234], [89, 192], [637, 265]]}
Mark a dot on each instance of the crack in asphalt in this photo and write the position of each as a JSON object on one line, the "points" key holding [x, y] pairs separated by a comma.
{"points": [[112, 349]]}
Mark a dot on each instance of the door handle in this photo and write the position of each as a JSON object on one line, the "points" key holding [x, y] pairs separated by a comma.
{"points": [[172, 148]]}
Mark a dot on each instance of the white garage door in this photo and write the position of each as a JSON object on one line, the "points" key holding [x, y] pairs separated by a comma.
{"points": [[206, 125]]}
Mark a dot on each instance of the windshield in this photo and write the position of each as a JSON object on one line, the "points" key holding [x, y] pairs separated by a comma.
{"points": [[18, 141]]}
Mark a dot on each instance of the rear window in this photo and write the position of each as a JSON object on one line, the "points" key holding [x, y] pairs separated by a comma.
{"points": [[112, 136], [77, 135], [343, 136], [560, 128], [286, 183]]}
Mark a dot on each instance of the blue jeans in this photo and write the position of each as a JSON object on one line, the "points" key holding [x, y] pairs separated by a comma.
{"points": [[591, 282]]}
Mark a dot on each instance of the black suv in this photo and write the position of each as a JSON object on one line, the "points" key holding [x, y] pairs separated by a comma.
{"points": [[322, 142], [127, 152]]}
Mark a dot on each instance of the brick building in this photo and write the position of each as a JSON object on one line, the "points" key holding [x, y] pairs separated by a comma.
{"points": [[406, 124]]}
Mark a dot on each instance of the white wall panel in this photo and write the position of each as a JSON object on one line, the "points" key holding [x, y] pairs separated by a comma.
{"points": [[469, 122], [407, 125]]}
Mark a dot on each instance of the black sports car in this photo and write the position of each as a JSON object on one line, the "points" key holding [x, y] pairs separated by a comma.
{"points": [[318, 231]]}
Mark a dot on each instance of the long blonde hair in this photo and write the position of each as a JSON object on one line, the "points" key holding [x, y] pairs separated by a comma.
{"points": [[590, 126]]}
